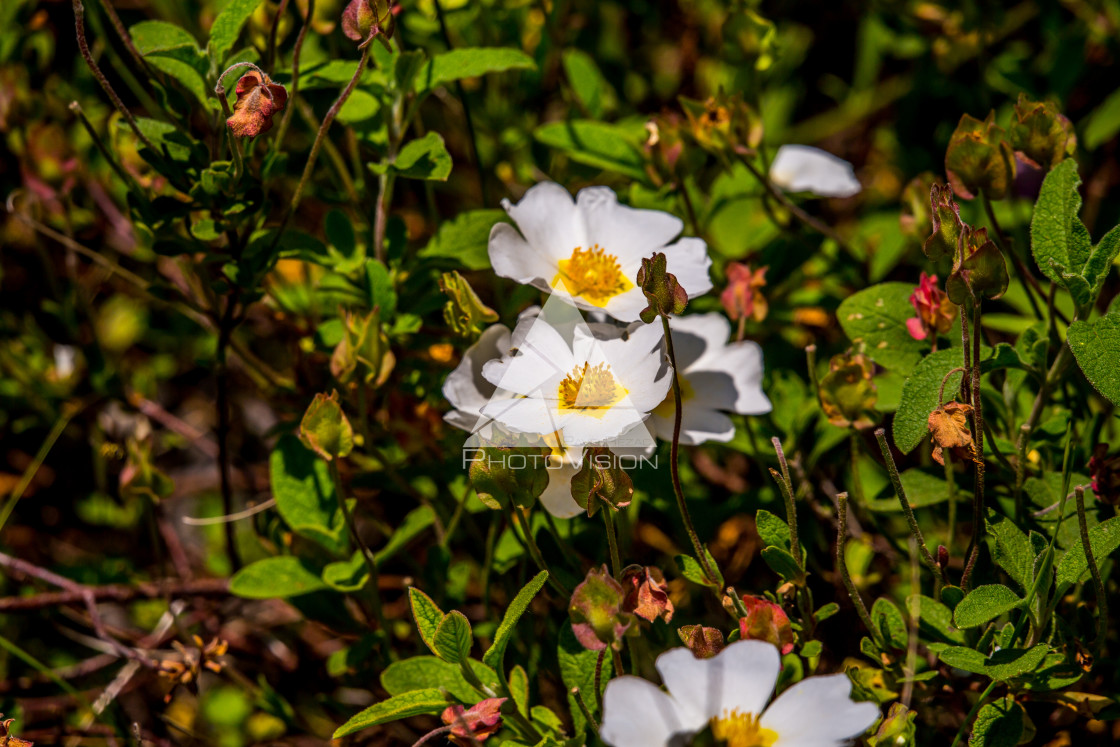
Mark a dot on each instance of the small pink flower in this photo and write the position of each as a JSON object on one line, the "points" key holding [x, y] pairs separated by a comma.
{"points": [[766, 621], [473, 725], [742, 298], [935, 311]]}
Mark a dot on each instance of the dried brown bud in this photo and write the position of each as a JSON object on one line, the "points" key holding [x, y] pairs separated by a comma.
{"points": [[258, 98]]}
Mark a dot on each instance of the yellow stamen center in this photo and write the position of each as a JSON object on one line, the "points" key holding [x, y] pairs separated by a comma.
{"points": [[668, 407], [593, 275], [593, 390], [737, 729]]}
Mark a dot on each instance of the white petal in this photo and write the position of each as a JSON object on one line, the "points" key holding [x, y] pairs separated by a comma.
{"points": [[557, 497], [465, 387], [741, 677], [524, 414], [698, 336], [542, 358], [801, 168], [549, 220], [581, 429], [818, 711], [688, 260], [626, 307], [636, 713], [699, 425], [623, 231], [513, 257]]}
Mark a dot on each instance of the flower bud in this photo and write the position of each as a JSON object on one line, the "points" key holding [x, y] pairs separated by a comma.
{"points": [[473, 725], [364, 344], [1041, 133], [504, 476], [601, 479], [742, 298], [980, 271], [704, 643], [945, 220], [979, 158], [766, 621], [596, 609], [936, 312], [325, 428], [847, 392], [661, 289], [915, 220], [362, 20], [464, 313], [1105, 471], [647, 594], [897, 729]]}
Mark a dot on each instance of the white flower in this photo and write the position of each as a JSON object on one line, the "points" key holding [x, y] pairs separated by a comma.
{"points": [[588, 391], [716, 377], [468, 392], [589, 250], [729, 693], [801, 168]]}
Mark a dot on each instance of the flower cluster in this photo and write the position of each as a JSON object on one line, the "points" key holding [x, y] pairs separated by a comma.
{"points": [[571, 384]]}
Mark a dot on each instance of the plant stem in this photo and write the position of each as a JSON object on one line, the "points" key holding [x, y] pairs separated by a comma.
{"points": [[83, 47], [786, 485], [674, 453], [599, 677], [1022, 270], [1098, 584], [518, 521], [972, 713], [907, 509], [612, 542], [842, 566], [461, 93], [367, 554], [813, 223], [584, 709], [978, 518], [287, 118]]}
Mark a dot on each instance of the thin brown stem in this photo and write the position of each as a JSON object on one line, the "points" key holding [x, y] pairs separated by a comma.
{"points": [[786, 486], [842, 567], [287, 118], [1094, 571], [907, 509]]}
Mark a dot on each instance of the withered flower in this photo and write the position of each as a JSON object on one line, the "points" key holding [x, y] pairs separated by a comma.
{"points": [[258, 98], [935, 311], [1105, 471], [647, 594], [948, 425], [848, 392], [742, 298], [472, 726], [703, 642]]}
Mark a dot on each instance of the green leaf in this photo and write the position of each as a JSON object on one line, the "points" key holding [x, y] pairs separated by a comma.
{"points": [[519, 688], [452, 640], [782, 562], [423, 672], [276, 578], [577, 669], [1100, 261], [424, 158], [1011, 550], [347, 576], [1103, 123], [935, 620], [187, 76], [692, 570], [985, 603], [382, 292], [470, 62], [361, 106], [164, 41], [919, 397], [826, 611], [888, 618], [305, 495], [414, 522], [1003, 356], [773, 531], [922, 489], [875, 321], [1002, 665], [1096, 346], [1059, 239], [465, 239], [588, 83], [227, 27], [1104, 539], [998, 724], [427, 615], [405, 705], [170, 142], [497, 651], [599, 144]]}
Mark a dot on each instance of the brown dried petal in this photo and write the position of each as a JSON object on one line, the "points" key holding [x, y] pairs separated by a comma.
{"points": [[257, 100], [949, 426]]}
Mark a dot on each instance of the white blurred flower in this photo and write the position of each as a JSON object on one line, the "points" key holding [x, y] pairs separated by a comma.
{"points": [[728, 693], [802, 168], [716, 377], [583, 391], [589, 250]]}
